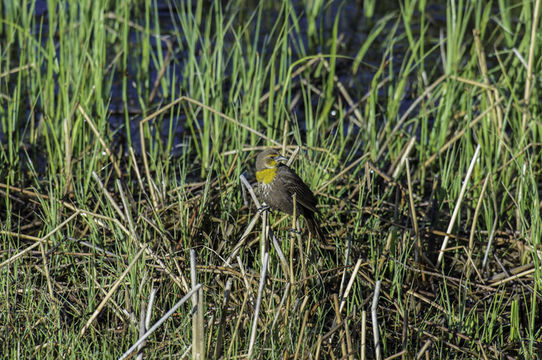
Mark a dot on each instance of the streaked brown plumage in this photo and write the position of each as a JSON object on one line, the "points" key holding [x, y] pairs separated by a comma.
{"points": [[276, 185]]}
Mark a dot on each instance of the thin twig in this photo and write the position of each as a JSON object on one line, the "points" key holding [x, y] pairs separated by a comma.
{"points": [[258, 304], [374, 307], [458, 205], [198, 338], [161, 321], [110, 293], [363, 333]]}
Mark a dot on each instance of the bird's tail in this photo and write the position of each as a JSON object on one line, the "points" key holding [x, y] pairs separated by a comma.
{"points": [[314, 227]]}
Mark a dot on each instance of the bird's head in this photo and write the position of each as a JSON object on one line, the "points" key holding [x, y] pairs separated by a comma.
{"points": [[268, 159]]}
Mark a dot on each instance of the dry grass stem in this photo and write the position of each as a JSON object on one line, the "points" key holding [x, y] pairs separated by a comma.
{"points": [[261, 286], [161, 321], [458, 204]]}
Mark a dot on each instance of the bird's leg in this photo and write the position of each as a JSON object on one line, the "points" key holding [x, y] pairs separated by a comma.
{"points": [[263, 208], [294, 232]]}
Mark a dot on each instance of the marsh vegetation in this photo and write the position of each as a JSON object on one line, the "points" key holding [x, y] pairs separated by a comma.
{"points": [[126, 129]]}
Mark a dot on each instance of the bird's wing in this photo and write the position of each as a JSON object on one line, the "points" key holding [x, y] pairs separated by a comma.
{"points": [[295, 185]]}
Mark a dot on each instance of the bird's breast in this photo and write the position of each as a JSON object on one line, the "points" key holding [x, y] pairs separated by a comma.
{"points": [[266, 176]]}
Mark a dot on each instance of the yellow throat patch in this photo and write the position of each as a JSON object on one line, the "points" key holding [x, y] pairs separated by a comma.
{"points": [[266, 176]]}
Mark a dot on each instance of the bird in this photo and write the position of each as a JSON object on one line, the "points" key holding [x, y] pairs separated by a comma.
{"points": [[277, 183]]}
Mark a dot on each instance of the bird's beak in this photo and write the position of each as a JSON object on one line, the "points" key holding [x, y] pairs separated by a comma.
{"points": [[280, 158]]}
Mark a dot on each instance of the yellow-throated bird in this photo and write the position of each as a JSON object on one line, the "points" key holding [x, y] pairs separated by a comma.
{"points": [[277, 183]]}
